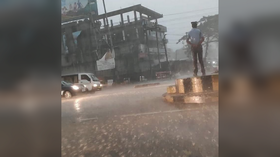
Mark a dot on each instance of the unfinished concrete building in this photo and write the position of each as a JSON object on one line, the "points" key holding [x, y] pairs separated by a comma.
{"points": [[138, 43]]}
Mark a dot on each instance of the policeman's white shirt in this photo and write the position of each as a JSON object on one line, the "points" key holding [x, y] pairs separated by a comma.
{"points": [[195, 35]]}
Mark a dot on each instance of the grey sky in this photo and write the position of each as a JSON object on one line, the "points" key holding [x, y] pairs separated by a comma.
{"points": [[177, 24]]}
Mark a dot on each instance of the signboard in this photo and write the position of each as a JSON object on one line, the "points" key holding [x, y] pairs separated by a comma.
{"points": [[77, 9], [107, 62], [110, 82]]}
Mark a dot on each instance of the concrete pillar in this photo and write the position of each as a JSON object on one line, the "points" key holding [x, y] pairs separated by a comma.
{"points": [[135, 16], [104, 21], [128, 20], [122, 22], [112, 25], [141, 16]]}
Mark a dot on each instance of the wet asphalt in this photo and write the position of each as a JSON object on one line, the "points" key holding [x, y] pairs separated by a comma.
{"points": [[136, 122]]}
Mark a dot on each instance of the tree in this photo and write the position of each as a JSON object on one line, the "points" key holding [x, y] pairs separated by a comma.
{"points": [[186, 47], [209, 27], [169, 52]]}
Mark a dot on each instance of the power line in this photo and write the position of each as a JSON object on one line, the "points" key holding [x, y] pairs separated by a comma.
{"points": [[172, 40], [175, 35], [178, 22], [176, 19], [174, 44], [185, 17], [190, 11]]}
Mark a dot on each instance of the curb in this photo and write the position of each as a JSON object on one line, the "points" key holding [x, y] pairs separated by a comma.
{"points": [[197, 84], [146, 85], [193, 98], [194, 90]]}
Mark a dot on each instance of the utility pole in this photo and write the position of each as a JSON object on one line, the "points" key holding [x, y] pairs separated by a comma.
{"points": [[147, 44], [164, 44], [107, 23], [96, 42], [156, 28], [90, 24], [111, 41], [149, 55]]}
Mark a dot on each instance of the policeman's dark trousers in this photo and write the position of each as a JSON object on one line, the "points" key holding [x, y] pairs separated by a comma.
{"points": [[197, 53]]}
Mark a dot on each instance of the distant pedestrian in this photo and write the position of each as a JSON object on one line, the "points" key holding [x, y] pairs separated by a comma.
{"points": [[195, 39]]}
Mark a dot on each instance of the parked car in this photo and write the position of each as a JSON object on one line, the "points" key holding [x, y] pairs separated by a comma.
{"points": [[69, 90], [91, 82]]}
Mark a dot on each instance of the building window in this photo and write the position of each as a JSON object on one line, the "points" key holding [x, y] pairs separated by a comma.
{"points": [[70, 79], [105, 38], [85, 77], [153, 33]]}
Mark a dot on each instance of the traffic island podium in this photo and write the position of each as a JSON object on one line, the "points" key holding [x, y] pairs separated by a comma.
{"points": [[201, 89]]}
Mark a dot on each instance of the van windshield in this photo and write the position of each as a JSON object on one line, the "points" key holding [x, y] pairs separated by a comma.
{"points": [[94, 78], [65, 83]]}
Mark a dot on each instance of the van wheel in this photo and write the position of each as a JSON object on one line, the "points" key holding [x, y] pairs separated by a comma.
{"points": [[67, 95]]}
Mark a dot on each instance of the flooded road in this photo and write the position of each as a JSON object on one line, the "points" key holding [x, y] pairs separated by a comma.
{"points": [[127, 122]]}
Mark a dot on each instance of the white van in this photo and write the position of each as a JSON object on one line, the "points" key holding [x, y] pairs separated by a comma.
{"points": [[89, 80]]}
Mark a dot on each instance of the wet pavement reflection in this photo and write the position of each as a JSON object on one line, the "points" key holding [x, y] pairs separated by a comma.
{"points": [[128, 122]]}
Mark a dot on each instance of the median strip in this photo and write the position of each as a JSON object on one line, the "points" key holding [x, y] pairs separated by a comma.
{"points": [[147, 85]]}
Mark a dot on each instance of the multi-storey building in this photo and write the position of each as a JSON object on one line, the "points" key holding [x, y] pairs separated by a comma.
{"points": [[138, 43]]}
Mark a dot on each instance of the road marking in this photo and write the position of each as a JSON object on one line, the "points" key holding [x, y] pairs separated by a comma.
{"points": [[143, 114], [160, 112], [158, 86], [129, 91], [87, 119], [132, 91]]}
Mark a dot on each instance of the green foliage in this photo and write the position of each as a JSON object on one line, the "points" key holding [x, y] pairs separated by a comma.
{"points": [[209, 27]]}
